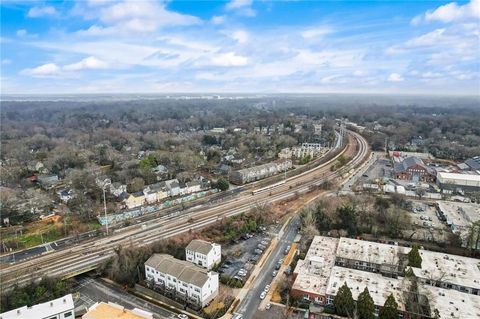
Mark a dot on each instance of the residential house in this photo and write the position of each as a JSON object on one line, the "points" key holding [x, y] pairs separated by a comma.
{"points": [[60, 308], [135, 200], [155, 192], [203, 253], [160, 169], [117, 189], [173, 187], [193, 187], [47, 181], [191, 283], [65, 194]]}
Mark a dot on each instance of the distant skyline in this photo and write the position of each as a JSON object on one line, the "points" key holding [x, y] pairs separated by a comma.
{"points": [[101, 46]]}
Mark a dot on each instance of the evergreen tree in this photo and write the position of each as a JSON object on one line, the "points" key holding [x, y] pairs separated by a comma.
{"points": [[343, 302], [414, 258], [390, 309], [223, 184], [365, 305]]}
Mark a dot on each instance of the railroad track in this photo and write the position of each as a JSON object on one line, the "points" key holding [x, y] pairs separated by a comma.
{"points": [[91, 253]]}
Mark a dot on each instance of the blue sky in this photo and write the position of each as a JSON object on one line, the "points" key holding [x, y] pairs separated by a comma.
{"points": [[102, 46]]}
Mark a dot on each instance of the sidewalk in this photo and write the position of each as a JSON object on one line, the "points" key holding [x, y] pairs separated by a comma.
{"points": [[258, 267]]}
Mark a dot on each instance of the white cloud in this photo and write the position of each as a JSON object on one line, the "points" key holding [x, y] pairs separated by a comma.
{"points": [[52, 69], [43, 70], [87, 63], [236, 4], [21, 32], [134, 17], [395, 77], [36, 12], [316, 32], [229, 59], [6, 61], [218, 19], [241, 36], [241, 7], [451, 12]]}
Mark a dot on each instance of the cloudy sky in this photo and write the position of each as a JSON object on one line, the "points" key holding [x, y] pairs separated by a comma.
{"points": [[95, 46]]}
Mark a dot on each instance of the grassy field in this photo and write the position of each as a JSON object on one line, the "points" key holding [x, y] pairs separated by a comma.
{"points": [[45, 231]]}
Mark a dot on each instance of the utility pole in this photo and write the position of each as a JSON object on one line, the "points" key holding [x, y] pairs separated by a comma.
{"points": [[105, 184]]}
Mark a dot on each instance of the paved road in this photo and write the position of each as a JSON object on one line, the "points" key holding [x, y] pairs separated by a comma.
{"points": [[249, 305], [93, 290]]}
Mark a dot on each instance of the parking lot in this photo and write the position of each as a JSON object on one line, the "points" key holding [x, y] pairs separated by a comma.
{"points": [[243, 255], [426, 224], [381, 168]]}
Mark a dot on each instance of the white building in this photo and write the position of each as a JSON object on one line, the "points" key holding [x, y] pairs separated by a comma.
{"points": [[61, 308], [307, 149], [112, 310], [454, 181], [203, 253], [195, 284]]}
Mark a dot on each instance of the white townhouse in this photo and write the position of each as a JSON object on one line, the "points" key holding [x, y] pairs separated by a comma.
{"points": [[60, 308], [195, 284], [203, 253], [173, 187]]}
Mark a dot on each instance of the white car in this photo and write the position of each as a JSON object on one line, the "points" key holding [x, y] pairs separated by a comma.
{"points": [[268, 306], [182, 316], [267, 288], [262, 295]]}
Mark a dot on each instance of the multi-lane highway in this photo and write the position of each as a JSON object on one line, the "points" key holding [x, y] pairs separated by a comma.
{"points": [[89, 254]]}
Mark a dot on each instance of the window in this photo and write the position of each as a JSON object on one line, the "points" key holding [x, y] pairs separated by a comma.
{"points": [[67, 314]]}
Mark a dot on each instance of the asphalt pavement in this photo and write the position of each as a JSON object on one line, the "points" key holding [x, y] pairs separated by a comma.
{"points": [[250, 304], [92, 290]]}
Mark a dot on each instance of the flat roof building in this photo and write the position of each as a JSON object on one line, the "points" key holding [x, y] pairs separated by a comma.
{"points": [[60, 308], [447, 283], [313, 272], [453, 181], [112, 310]]}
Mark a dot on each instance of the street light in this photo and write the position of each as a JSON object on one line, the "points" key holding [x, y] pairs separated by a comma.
{"points": [[106, 183]]}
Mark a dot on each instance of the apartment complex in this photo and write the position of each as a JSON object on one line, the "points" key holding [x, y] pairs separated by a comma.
{"points": [[256, 173], [331, 262], [61, 308], [203, 253], [112, 310], [307, 149], [181, 279]]}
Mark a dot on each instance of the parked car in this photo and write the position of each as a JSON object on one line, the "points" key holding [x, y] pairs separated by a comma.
{"points": [[262, 295], [267, 288], [258, 251], [237, 316], [287, 250], [268, 306], [182, 316], [260, 246], [274, 273]]}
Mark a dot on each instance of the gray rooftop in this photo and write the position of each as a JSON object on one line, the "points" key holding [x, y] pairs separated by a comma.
{"points": [[474, 163], [200, 246], [409, 162], [182, 270]]}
